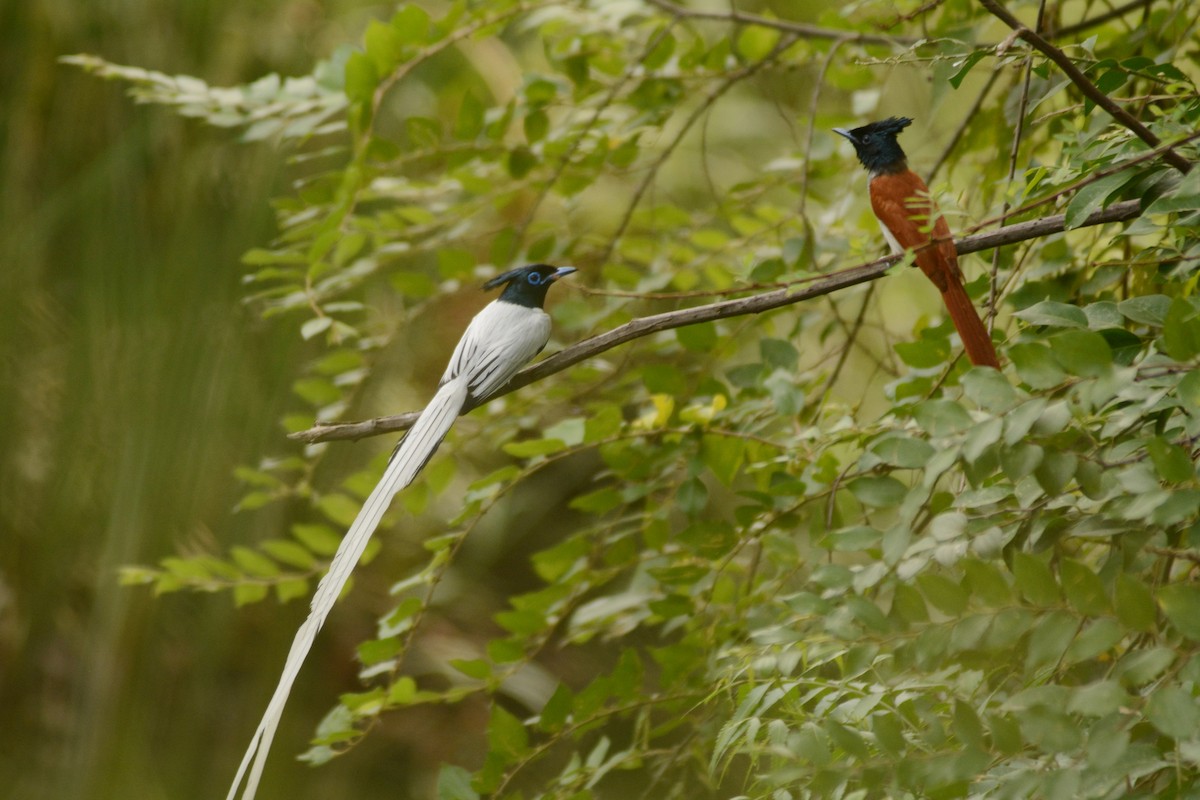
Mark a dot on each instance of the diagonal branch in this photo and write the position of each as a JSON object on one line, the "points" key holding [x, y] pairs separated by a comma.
{"points": [[800, 29], [1115, 13], [1081, 81], [753, 304]]}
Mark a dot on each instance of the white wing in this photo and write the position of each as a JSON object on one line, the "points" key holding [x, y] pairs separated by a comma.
{"points": [[501, 339]]}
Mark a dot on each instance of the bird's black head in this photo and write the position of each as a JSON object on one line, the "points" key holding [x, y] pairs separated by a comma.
{"points": [[876, 145], [526, 286]]}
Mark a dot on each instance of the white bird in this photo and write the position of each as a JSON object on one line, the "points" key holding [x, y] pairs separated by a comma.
{"points": [[501, 339]]}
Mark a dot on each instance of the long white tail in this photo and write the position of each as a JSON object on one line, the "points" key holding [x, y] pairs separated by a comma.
{"points": [[416, 449]]}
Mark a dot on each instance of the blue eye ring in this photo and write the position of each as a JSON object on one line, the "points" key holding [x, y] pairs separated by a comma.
{"points": [[534, 278]]}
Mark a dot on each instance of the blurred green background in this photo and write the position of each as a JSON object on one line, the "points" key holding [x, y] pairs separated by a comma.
{"points": [[134, 382]]}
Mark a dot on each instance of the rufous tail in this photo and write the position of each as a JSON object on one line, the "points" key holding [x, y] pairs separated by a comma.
{"points": [[974, 334]]}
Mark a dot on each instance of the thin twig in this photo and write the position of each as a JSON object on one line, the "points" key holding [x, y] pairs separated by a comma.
{"points": [[800, 29], [1085, 24], [966, 122], [714, 94], [818, 85], [1013, 153], [754, 304], [604, 105], [1085, 85]]}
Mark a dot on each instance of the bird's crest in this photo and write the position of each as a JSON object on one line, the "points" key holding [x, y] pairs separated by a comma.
{"points": [[542, 271]]}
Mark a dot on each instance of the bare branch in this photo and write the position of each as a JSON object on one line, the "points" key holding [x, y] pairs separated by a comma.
{"points": [[1085, 24], [800, 29], [753, 304], [1089, 89]]}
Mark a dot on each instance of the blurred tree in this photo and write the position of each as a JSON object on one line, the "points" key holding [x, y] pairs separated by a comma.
{"points": [[803, 554]]}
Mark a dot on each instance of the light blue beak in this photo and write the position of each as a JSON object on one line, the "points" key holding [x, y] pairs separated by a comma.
{"points": [[562, 272]]}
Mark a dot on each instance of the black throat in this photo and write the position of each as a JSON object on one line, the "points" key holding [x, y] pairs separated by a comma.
{"points": [[520, 293]]}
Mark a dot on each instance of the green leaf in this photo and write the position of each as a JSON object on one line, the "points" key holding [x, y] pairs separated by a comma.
{"points": [[534, 447], [1095, 196], [1055, 471], [1181, 330], [1049, 640], [411, 22], [1097, 699], [945, 595], [1020, 460], [697, 338], [878, 491], [1095, 639], [1036, 365], [1034, 579], [1083, 588], [662, 51], [289, 553], [1174, 712], [557, 709], [470, 118], [909, 604], [1050, 731], [852, 540], [602, 423], [254, 563], [1183, 197], [966, 65], [384, 45], [537, 125], [985, 581], [1173, 463], [1189, 388], [1135, 603], [377, 651], [1006, 735], [317, 537], [778, 353], [692, 496], [1053, 314], [454, 783], [521, 161], [942, 417], [1181, 603], [476, 668], [290, 589], [1139, 667], [990, 390], [1107, 742], [597, 502], [889, 732], [1148, 309], [523, 622], [723, 455], [315, 327], [246, 593], [1082, 352], [361, 77], [900, 450], [339, 508]]}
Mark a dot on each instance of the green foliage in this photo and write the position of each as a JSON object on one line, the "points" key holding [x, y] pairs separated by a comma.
{"points": [[808, 568]]}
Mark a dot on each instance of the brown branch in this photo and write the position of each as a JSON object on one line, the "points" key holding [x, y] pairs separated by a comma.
{"points": [[1085, 24], [800, 29], [754, 304], [1085, 85]]}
